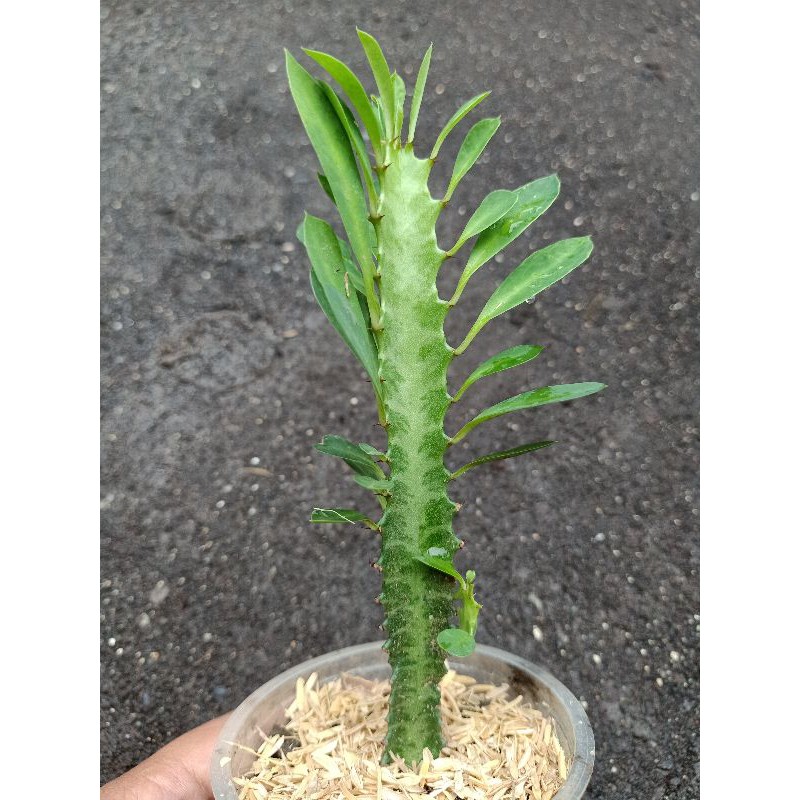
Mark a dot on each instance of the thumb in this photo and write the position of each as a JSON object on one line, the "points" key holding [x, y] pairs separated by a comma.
{"points": [[178, 771]]}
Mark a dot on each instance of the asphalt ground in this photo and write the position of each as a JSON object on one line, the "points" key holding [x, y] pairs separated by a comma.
{"points": [[219, 372]]}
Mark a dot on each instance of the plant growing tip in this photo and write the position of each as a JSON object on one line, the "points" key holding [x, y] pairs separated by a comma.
{"points": [[377, 287]]}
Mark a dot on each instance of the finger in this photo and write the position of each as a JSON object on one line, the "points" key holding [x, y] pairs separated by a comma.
{"points": [[193, 750], [178, 771]]}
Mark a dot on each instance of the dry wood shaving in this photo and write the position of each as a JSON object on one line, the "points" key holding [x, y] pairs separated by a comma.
{"points": [[333, 741]]}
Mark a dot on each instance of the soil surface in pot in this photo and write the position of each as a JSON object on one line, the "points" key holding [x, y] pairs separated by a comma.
{"points": [[330, 749]]}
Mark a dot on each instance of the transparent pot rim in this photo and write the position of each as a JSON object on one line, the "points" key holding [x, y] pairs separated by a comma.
{"points": [[582, 758]]}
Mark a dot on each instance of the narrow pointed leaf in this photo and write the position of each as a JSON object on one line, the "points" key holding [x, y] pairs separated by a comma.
{"points": [[471, 148], [332, 146], [470, 607], [349, 515], [513, 357], [354, 276], [538, 271], [495, 205], [328, 283], [378, 106], [456, 642], [379, 486], [399, 104], [383, 79], [372, 451], [442, 565], [419, 90], [533, 200], [356, 141], [323, 182], [331, 305], [455, 119], [355, 92], [352, 455], [500, 455], [532, 399]]}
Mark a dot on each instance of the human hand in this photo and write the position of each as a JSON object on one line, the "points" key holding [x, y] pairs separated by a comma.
{"points": [[178, 771]]}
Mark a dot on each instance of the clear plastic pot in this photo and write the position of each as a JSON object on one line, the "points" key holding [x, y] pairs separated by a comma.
{"points": [[265, 708]]}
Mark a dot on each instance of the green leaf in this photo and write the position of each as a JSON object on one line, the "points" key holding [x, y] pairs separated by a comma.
{"points": [[354, 276], [470, 607], [332, 146], [538, 271], [383, 79], [373, 452], [513, 357], [327, 281], [471, 148], [355, 92], [455, 119], [399, 103], [456, 642], [342, 318], [349, 515], [501, 454], [532, 399], [373, 484], [323, 182], [442, 565], [533, 200], [378, 106], [352, 455], [419, 90], [356, 141], [494, 206]]}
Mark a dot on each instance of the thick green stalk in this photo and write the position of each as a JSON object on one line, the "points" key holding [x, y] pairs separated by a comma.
{"points": [[413, 359]]}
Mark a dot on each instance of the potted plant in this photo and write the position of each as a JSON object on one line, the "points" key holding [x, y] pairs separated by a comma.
{"points": [[378, 288]]}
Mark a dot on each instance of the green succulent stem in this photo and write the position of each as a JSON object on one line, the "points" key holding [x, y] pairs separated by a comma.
{"points": [[413, 359], [378, 289]]}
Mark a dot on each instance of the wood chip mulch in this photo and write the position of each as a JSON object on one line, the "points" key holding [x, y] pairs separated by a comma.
{"points": [[497, 747]]}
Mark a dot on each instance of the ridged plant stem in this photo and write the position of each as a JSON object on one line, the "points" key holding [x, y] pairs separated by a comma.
{"points": [[413, 358]]}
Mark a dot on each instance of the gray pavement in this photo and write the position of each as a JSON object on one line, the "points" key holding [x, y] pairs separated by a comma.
{"points": [[219, 372]]}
